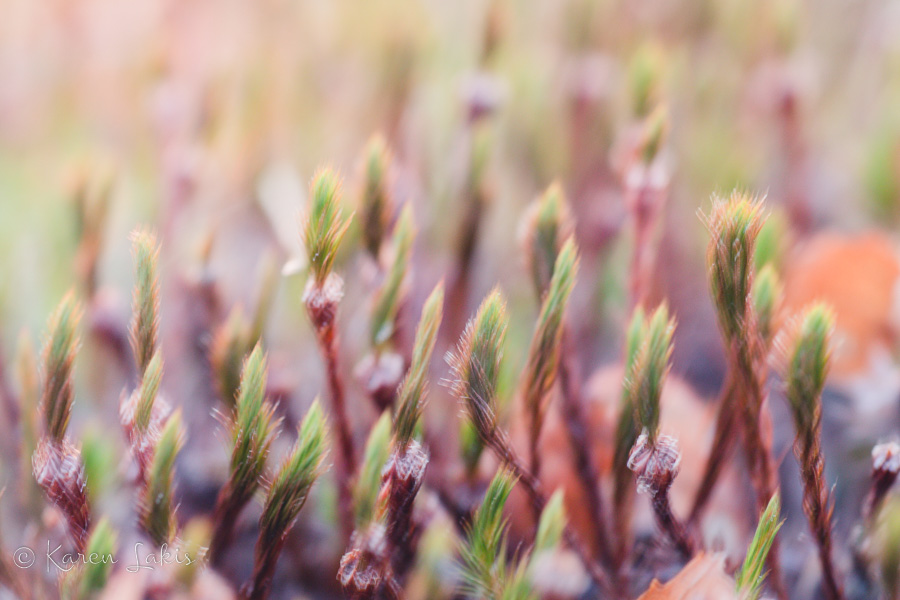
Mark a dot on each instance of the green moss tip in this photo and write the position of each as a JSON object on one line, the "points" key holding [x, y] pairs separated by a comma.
{"points": [[368, 484], [59, 357], [324, 225], [411, 395]]}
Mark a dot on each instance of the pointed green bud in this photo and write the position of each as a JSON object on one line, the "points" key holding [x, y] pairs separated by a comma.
{"points": [[158, 503], [368, 484], [734, 225], [476, 363], [650, 367], [767, 295], [101, 550], [323, 225], [253, 427], [548, 223], [483, 555], [750, 578], [807, 354], [145, 304], [59, 357], [290, 488], [411, 396], [229, 346], [392, 292], [376, 206], [551, 524]]}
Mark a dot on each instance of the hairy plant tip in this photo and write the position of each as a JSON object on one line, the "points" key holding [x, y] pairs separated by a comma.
{"points": [[390, 296], [750, 578], [484, 552], [145, 303], [286, 496], [767, 293], [297, 474], [323, 225], [228, 349], [253, 428], [551, 524], [368, 483], [543, 353], [546, 226], [376, 204], [885, 468], [59, 358], [476, 364], [59, 471], [649, 367], [412, 391], [86, 580], [734, 224], [157, 515], [806, 352]]}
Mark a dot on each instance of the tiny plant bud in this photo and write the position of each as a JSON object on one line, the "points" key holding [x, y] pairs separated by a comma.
{"points": [[734, 225], [390, 296], [252, 430], [547, 225], [145, 319], [376, 205], [476, 364], [551, 524], [751, 576], [59, 357], [324, 225], [766, 294], [158, 504], [377, 451], [649, 369], [411, 396]]}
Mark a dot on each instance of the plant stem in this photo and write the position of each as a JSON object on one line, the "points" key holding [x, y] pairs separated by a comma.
{"points": [[329, 346], [668, 522], [758, 453], [575, 421], [722, 445]]}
